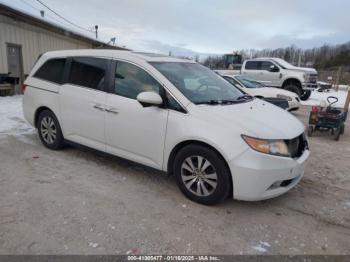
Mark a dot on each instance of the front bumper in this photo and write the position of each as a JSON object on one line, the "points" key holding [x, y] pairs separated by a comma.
{"points": [[293, 105], [309, 85], [257, 176]]}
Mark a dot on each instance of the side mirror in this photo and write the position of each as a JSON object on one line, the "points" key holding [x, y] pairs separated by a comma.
{"points": [[147, 99], [274, 68]]}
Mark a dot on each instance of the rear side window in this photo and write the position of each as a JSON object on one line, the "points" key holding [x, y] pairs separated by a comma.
{"points": [[52, 70], [130, 80], [88, 72], [252, 65]]}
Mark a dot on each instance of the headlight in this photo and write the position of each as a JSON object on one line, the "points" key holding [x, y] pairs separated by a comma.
{"points": [[306, 77], [288, 98], [275, 147]]}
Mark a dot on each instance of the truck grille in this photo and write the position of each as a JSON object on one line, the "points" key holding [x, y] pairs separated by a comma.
{"points": [[297, 146], [313, 78]]}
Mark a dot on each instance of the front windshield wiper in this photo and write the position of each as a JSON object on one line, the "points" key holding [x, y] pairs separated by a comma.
{"points": [[216, 102], [244, 97], [239, 99]]}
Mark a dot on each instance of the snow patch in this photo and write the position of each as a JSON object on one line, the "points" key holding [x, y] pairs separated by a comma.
{"points": [[317, 97], [262, 246], [94, 245], [12, 120]]}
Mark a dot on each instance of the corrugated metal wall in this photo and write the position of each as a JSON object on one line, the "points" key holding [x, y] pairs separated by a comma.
{"points": [[34, 41]]}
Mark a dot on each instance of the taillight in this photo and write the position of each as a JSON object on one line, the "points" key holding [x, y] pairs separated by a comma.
{"points": [[24, 86]]}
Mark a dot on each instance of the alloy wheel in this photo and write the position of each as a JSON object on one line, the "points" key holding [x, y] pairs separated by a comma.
{"points": [[199, 176], [48, 130]]}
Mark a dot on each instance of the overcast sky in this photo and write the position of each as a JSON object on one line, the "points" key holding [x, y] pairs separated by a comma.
{"points": [[204, 26]]}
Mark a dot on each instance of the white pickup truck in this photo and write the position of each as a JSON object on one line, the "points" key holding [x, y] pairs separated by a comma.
{"points": [[278, 73]]}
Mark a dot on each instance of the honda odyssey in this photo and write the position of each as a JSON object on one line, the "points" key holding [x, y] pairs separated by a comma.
{"points": [[170, 114]]}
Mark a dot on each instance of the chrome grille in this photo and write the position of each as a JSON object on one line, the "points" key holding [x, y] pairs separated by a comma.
{"points": [[313, 78]]}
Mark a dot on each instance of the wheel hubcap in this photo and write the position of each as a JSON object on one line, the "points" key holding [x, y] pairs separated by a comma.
{"points": [[199, 175], [48, 130]]}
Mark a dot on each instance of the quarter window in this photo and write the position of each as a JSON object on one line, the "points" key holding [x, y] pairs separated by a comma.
{"points": [[130, 80], [88, 72], [173, 104], [52, 70]]}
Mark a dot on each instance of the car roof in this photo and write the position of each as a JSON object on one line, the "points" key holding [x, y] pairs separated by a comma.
{"points": [[263, 58], [121, 54]]}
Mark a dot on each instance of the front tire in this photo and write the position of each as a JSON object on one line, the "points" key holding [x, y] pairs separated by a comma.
{"points": [[306, 95], [50, 131], [294, 88], [202, 174]]}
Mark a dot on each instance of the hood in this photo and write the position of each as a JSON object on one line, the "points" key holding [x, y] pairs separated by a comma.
{"points": [[285, 92], [304, 69], [272, 92], [256, 118]]}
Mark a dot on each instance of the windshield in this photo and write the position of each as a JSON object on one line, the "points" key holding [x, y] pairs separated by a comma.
{"points": [[248, 83], [282, 63], [198, 83]]}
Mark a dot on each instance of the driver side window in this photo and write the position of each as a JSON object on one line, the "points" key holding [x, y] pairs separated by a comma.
{"points": [[266, 65], [131, 80]]}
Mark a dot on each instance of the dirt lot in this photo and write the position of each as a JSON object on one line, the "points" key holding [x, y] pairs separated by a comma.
{"points": [[78, 202]]}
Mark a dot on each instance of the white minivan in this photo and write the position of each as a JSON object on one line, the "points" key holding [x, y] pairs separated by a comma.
{"points": [[170, 114]]}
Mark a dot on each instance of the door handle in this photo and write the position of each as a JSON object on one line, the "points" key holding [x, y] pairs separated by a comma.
{"points": [[99, 107], [112, 110]]}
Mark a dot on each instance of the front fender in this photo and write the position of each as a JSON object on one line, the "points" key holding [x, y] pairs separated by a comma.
{"points": [[295, 77], [197, 130]]}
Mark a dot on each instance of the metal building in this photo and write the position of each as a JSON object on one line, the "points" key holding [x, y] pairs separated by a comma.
{"points": [[23, 38]]}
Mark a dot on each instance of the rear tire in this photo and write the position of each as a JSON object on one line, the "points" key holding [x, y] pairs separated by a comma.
{"points": [[294, 88], [202, 174], [50, 131], [306, 95]]}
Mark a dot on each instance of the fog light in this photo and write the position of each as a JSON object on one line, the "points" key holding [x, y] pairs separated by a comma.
{"points": [[275, 185]]}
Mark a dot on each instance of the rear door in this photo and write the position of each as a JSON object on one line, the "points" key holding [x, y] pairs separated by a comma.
{"points": [[252, 70], [132, 131], [82, 101]]}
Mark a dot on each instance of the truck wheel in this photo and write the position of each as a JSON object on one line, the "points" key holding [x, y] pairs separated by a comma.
{"points": [[294, 89], [306, 94]]}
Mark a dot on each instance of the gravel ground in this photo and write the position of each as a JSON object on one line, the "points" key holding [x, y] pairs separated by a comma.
{"points": [[76, 201]]}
